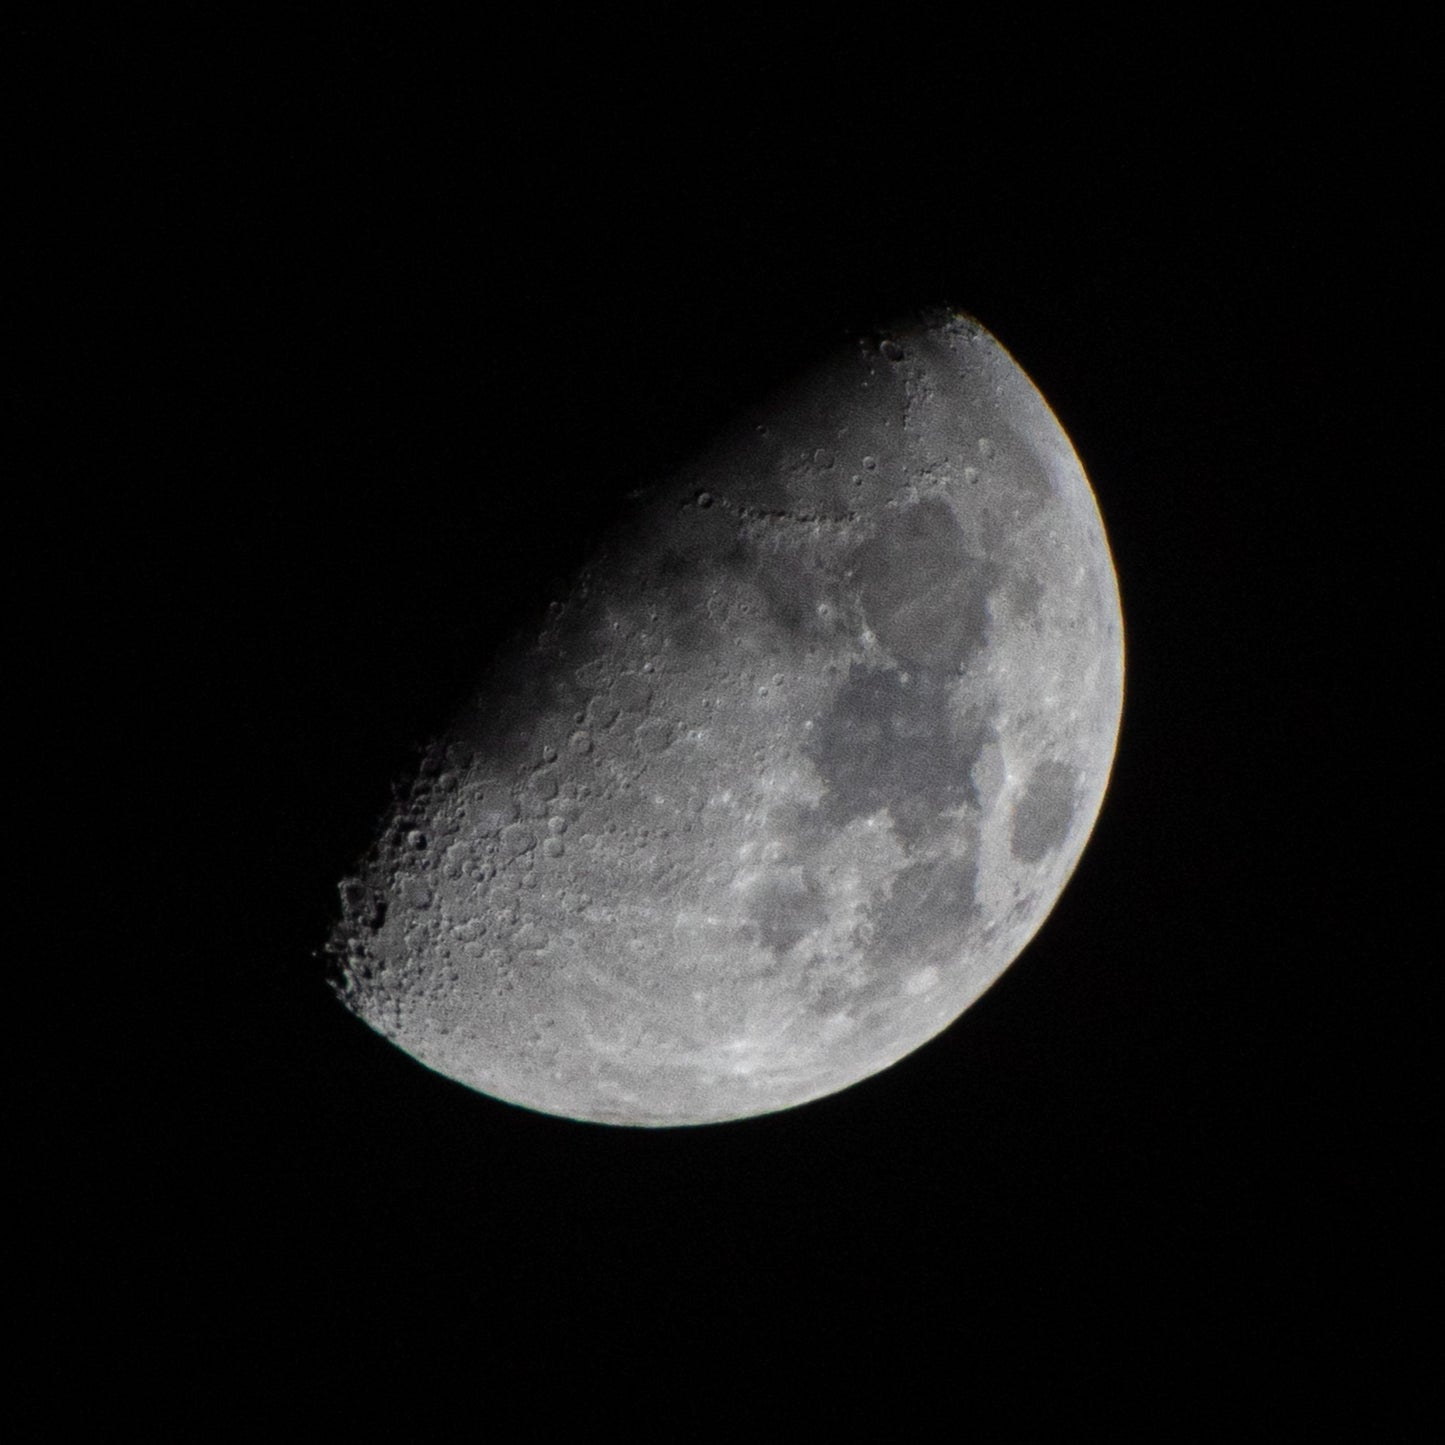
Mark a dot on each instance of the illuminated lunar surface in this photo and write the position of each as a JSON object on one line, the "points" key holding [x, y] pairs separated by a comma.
{"points": [[788, 778]]}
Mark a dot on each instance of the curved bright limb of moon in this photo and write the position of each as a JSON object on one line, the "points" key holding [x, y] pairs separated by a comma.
{"points": [[786, 781]]}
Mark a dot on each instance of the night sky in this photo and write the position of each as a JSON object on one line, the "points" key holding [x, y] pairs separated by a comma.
{"points": [[391, 325]]}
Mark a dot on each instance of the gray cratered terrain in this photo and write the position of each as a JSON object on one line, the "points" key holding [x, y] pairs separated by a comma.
{"points": [[786, 780]]}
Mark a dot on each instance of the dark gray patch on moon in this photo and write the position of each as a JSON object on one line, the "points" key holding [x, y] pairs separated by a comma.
{"points": [[1041, 819], [928, 915], [924, 595], [1023, 595], [792, 600], [632, 693], [890, 743], [787, 909]]}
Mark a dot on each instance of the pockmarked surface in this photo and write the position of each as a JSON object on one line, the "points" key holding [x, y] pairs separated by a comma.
{"points": [[787, 779]]}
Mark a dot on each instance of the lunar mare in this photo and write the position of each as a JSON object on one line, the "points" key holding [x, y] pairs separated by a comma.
{"points": [[787, 779]]}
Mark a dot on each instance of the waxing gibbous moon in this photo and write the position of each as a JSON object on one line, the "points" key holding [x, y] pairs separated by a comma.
{"points": [[785, 781]]}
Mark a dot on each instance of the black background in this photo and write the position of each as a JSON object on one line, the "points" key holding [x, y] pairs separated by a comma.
{"points": [[391, 323]]}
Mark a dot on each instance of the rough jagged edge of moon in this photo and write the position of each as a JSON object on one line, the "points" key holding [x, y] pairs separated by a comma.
{"points": [[785, 781]]}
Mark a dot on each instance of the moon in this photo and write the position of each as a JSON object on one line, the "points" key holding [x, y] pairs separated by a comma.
{"points": [[788, 777]]}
